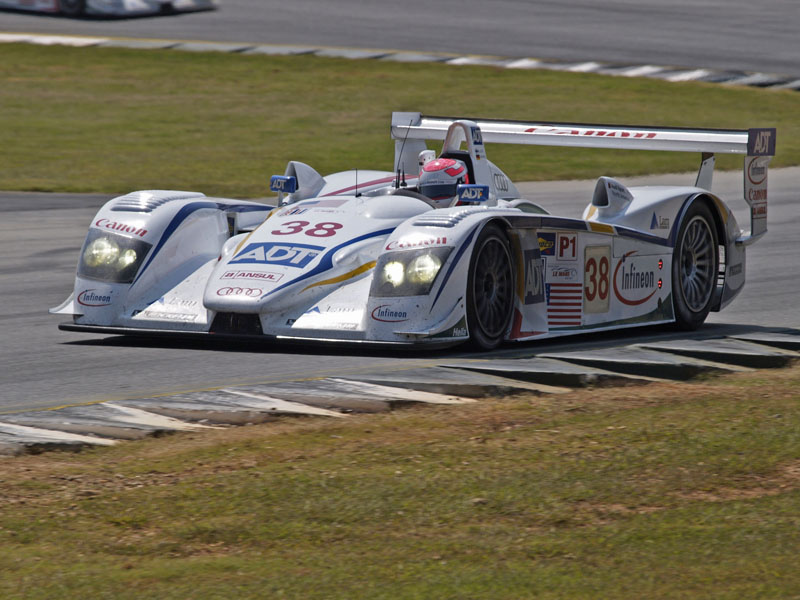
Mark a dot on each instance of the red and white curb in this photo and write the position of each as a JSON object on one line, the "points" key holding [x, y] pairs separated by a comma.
{"points": [[667, 73]]}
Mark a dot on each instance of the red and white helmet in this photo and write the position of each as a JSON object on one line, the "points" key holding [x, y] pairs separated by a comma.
{"points": [[439, 180]]}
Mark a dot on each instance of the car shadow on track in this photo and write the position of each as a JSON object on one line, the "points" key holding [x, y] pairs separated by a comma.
{"points": [[114, 18], [588, 341]]}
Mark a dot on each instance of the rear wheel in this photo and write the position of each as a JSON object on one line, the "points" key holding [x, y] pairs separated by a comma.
{"points": [[695, 263], [72, 8], [490, 289]]}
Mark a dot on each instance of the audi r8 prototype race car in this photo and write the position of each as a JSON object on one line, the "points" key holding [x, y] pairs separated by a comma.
{"points": [[439, 251], [119, 8]]}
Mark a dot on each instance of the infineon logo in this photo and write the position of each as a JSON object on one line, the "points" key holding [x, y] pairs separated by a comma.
{"points": [[92, 298], [631, 286], [388, 315]]}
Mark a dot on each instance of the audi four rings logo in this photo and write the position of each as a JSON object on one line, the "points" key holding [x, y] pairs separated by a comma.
{"points": [[239, 291]]}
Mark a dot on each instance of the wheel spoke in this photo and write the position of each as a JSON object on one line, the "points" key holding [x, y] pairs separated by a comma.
{"points": [[492, 280], [696, 256]]}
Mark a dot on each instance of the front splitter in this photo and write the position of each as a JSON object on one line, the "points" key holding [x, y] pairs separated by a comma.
{"points": [[240, 337]]}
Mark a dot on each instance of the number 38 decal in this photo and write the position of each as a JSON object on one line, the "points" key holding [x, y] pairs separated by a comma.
{"points": [[318, 230], [596, 272]]}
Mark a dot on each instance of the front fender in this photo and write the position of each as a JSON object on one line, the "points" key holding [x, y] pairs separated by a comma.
{"points": [[440, 315], [174, 234]]}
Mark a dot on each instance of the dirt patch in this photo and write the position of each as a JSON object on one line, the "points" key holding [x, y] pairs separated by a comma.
{"points": [[786, 478]]}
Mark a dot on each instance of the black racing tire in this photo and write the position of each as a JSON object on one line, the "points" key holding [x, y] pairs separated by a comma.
{"points": [[490, 289], [72, 8], [695, 266]]}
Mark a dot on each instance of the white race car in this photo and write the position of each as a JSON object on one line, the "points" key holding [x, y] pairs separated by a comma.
{"points": [[120, 8], [366, 256]]}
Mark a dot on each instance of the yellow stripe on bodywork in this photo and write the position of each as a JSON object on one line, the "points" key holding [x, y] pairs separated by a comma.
{"points": [[601, 228], [520, 263], [239, 247], [345, 277], [592, 211], [723, 210], [247, 237]]}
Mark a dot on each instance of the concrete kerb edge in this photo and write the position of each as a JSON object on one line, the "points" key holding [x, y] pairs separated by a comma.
{"points": [[671, 73]]}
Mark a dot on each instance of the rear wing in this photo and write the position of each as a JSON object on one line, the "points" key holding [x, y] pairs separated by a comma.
{"points": [[409, 130]]}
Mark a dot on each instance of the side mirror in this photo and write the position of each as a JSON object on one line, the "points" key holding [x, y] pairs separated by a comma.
{"points": [[471, 193]]}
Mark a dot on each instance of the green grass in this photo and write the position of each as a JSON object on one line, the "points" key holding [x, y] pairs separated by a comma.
{"points": [[114, 120], [659, 491]]}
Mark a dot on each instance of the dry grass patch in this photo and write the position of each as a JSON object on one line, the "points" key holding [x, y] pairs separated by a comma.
{"points": [[659, 491]]}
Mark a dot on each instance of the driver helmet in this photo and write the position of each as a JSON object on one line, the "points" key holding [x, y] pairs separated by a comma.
{"points": [[439, 180]]}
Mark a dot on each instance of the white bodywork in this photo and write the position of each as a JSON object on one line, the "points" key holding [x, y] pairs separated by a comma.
{"points": [[115, 7], [317, 266]]}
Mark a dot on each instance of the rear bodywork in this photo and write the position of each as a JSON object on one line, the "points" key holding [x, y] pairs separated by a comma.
{"points": [[358, 257]]}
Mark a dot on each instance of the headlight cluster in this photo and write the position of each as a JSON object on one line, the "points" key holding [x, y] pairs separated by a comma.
{"points": [[408, 273], [111, 257]]}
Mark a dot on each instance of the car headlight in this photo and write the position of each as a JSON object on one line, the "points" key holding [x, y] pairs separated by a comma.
{"points": [[102, 251], [111, 257], [394, 273], [408, 273], [423, 269], [127, 258]]}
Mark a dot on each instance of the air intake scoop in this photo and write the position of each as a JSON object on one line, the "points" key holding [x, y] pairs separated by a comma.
{"points": [[610, 197]]}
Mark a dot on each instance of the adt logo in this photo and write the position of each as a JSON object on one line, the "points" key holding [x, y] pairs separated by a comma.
{"points": [[270, 253], [761, 142], [534, 280], [473, 193], [477, 138], [287, 185]]}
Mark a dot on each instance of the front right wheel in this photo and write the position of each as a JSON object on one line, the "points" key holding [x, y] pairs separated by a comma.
{"points": [[490, 289], [695, 264]]}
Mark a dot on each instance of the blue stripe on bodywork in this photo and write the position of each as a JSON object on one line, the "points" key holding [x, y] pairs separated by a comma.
{"points": [[641, 236], [453, 264], [673, 235], [183, 214], [326, 262]]}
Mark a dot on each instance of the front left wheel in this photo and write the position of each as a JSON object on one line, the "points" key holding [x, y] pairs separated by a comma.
{"points": [[490, 288]]}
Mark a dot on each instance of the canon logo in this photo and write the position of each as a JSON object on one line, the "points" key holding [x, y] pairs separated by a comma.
{"points": [[403, 244], [647, 135], [121, 227]]}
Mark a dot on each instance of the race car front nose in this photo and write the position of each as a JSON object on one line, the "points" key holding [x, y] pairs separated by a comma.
{"points": [[234, 297]]}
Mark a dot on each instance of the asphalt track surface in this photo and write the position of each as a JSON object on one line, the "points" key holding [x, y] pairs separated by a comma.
{"points": [[739, 35], [40, 235], [42, 367]]}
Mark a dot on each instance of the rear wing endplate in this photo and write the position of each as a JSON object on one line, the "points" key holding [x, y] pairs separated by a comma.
{"points": [[756, 145]]}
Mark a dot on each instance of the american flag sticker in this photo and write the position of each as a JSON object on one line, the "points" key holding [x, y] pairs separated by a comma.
{"points": [[564, 304]]}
